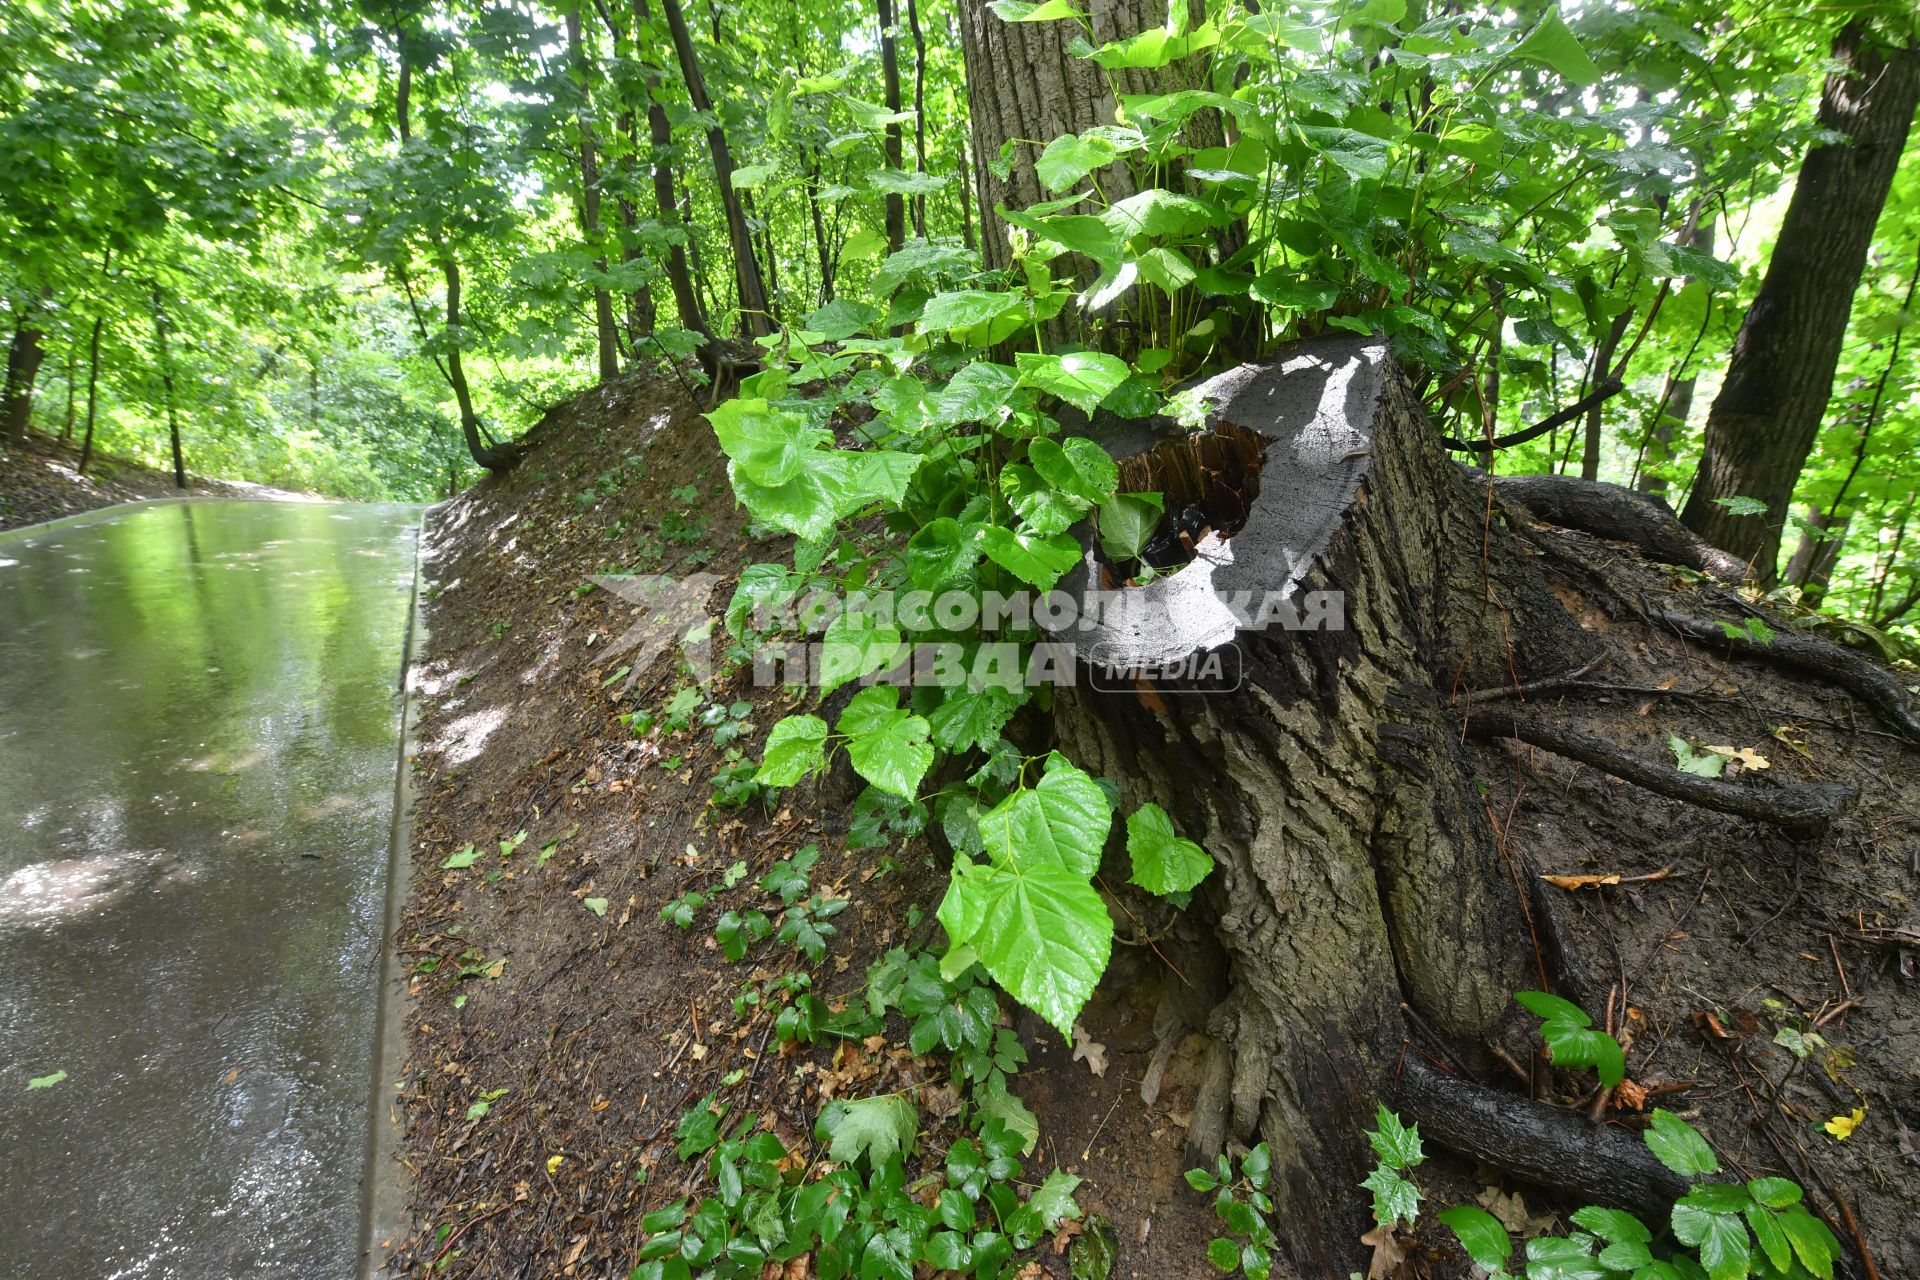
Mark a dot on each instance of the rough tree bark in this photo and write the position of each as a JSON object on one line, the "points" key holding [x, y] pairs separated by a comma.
{"points": [[23, 368], [1024, 85], [93, 392], [896, 206], [606, 335], [1357, 869], [666, 202], [1763, 422], [165, 360], [755, 315]]}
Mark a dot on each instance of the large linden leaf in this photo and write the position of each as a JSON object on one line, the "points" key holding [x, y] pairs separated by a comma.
{"points": [[795, 748], [1163, 863], [942, 551], [856, 644], [1043, 933], [970, 718], [1079, 466], [1063, 820], [1029, 557], [1044, 508], [877, 1128], [964, 308], [1081, 378], [767, 446], [886, 743]]}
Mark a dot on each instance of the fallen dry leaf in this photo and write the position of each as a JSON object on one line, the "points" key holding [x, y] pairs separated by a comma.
{"points": [[1630, 1095], [1581, 882], [1389, 1259], [1086, 1048], [1747, 756]]}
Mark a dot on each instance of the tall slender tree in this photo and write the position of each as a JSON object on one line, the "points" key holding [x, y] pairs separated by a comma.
{"points": [[1763, 423]]}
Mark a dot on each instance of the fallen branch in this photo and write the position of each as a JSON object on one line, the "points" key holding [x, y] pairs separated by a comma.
{"points": [[1572, 413], [1541, 1144], [1801, 810], [1788, 648]]}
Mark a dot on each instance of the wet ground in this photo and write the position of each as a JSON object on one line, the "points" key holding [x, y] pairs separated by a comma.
{"points": [[198, 736]]}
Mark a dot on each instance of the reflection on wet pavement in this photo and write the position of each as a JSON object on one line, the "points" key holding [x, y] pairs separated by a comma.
{"points": [[198, 732]]}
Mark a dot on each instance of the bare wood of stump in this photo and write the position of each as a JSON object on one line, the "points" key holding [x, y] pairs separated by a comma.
{"points": [[1356, 866]]}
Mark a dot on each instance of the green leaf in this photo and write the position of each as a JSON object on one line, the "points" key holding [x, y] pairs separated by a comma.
{"points": [[976, 394], [877, 1128], [1159, 212], [1082, 233], [1481, 1235], [1068, 159], [1571, 1039], [1397, 1145], [841, 319], [46, 1082], [857, 644], [1742, 506], [1054, 1200], [1553, 44], [1224, 1254], [1701, 764], [964, 308], [795, 749], [1614, 1225], [1079, 467], [1163, 863], [1127, 524], [1394, 1198], [1155, 47], [1360, 154], [887, 744], [1679, 1146], [1063, 819], [767, 446], [1775, 1193], [596, 905], [460, 861], [1024, 11], [1043, 509], [1770, 1236], [1081, 378], [1040, 929], [832, 483], [1812, 1243], [973, 718], [942, 552], [1721, 1239], [1036, 560]]}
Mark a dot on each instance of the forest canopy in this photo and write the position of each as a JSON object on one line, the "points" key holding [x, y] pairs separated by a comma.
{"points": [[318, 240]]}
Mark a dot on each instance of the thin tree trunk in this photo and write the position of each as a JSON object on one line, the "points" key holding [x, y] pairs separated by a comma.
{"points": [[1676, 397], [93, 391], [819, 228], [160, 326], [686, 302], [890, 76], [755, 315], [1765, 419], [1813, 561], [1602, 359], [23, 367], [73, 357], [919, 113], [606, 335]]}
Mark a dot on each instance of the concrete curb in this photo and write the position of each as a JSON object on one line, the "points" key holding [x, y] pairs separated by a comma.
{"points": [[385, 1221]]}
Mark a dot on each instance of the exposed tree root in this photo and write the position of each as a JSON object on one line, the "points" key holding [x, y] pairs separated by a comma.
{"points": [[1801, 810], [1622, 515], [1542, 1144], [1870, 683]]}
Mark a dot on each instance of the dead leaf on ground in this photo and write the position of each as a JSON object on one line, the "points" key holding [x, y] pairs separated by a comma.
{"points": [[1389, 1258], [1092, 1051]]}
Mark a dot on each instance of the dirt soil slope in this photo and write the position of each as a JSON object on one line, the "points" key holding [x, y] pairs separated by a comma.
{"points": [[40, 480], [545, 984]]}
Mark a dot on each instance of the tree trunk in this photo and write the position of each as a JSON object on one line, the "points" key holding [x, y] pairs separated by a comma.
{"points": [[73, 359], [1811, 566], [1596, 419], [1764, 421], [919, 203], [607, 336], [1356, 867], [160, 326], [686, 302], [23, 367], [1676, 397], [93, 391], [755, 315], [819, 228], [890, 76], [1025, 87], [488, 453]]}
